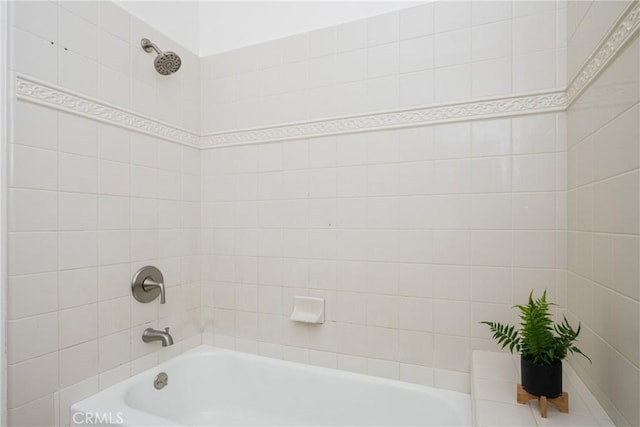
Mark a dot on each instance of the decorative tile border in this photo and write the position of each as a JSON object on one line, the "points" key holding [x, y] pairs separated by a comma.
{"points": [[623, 31], [39, 92], [32, 90], [528, 104]]}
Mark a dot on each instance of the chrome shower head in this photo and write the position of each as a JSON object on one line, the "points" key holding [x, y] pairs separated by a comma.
{"points": [[166, 62]]}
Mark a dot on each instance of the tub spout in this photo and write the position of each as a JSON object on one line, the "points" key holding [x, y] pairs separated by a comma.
{"points": [[151, 334]]}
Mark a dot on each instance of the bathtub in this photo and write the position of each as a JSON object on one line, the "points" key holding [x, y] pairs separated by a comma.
{"points": [[209, 386]]}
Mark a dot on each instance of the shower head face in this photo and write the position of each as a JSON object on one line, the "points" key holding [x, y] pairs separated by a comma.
{"points": [[167, 63]]}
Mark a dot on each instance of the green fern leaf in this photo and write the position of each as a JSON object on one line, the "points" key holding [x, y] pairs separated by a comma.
{"points": [[538, 339]]}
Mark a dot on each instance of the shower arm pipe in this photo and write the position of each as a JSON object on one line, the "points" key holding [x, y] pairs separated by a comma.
{"points": [[147, 45]]}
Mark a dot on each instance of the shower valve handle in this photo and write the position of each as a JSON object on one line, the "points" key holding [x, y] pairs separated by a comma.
{"points": [[147, 284]]}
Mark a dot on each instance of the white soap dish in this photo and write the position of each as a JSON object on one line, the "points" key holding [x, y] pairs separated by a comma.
{"points": [[308, 310]]}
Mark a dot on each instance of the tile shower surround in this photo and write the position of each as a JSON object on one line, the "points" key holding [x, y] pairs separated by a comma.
{"points": [[411, 235], [440, 52], [603, 251], [404, 232], [90, 203]]}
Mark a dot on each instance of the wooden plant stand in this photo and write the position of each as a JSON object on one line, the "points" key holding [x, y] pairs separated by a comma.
{"points": [[561, 402]]}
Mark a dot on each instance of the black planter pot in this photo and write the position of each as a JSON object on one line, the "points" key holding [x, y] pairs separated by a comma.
{"points": [[541, 380]]}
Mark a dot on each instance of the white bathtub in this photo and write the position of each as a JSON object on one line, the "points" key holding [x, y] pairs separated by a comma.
{"points": [[211, 386]]}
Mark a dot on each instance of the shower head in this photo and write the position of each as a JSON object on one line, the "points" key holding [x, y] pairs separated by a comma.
{"points": [[166, 62]]}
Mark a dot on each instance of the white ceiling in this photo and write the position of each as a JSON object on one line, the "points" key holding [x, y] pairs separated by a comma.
{"points": [[207, 27]]}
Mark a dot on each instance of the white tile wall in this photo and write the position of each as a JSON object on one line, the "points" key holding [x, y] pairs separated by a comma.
{"points": [[98, 54], [383, 225], [441, 52], [74, 246], [90, 203], [602, 215], [588, 23]]}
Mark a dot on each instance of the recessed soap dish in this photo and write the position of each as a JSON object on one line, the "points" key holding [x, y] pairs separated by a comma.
{"points": [[308, 310]]}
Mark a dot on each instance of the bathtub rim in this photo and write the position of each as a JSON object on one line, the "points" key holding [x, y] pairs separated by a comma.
{"points": [[115, 395]]}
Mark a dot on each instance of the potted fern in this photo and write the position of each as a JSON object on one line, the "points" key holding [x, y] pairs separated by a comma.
{"points": [[542, 345]]}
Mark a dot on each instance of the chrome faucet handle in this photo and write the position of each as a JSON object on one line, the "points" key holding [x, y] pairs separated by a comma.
{"points": [[166, 330], [147, 284], [151, 284]]}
